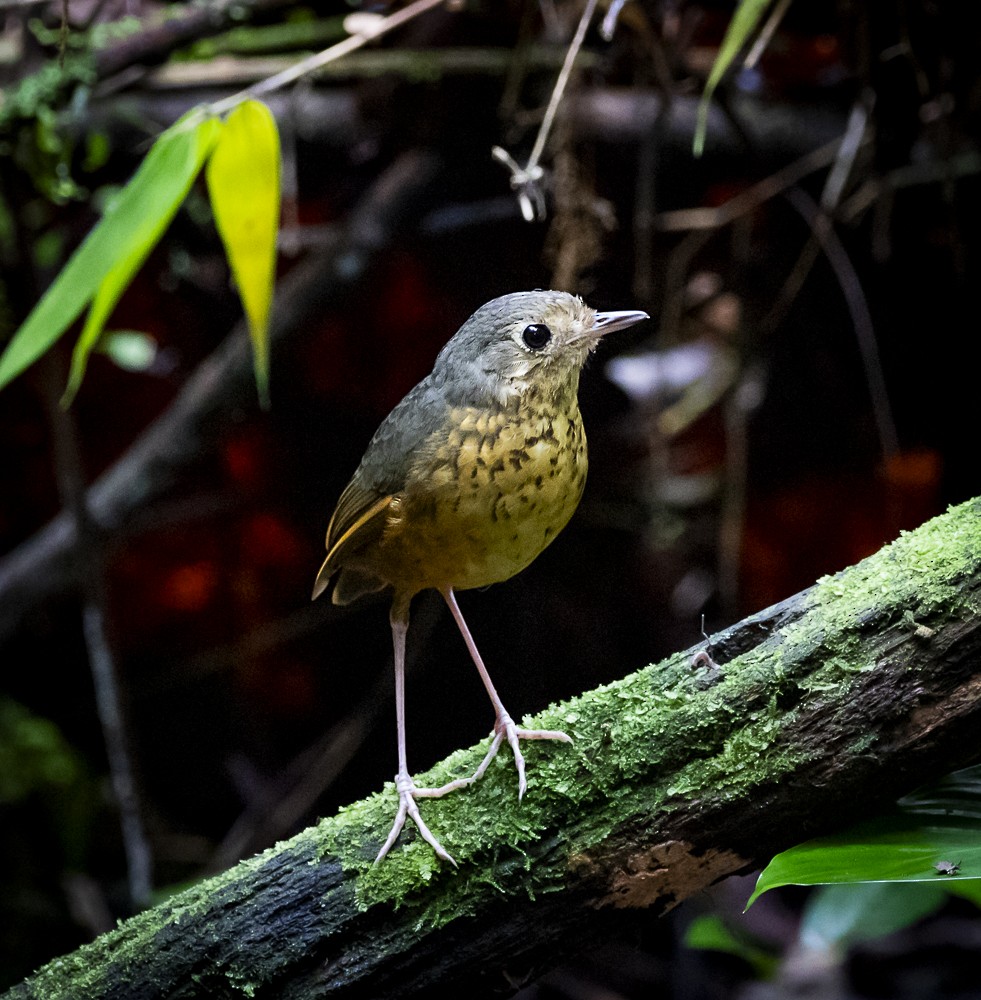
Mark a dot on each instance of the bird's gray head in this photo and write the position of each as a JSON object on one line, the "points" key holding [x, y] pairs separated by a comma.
{"points": [[526, 339]]}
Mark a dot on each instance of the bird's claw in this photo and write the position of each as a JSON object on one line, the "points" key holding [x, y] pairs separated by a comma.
{"points": [[505, 727], [408, 793]]}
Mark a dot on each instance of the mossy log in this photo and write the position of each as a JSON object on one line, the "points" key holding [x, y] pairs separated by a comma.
{"points": [[806, 717]]}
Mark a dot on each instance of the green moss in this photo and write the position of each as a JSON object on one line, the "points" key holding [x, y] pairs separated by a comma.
{"points": [[44, 88], [861, 746], [242, 983], [920, 572]]}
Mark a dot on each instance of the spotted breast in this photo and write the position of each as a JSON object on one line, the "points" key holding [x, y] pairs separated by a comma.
{"points": [[489, 496]]}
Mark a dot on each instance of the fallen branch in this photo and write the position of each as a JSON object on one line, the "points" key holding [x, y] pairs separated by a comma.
{"points": [[804, 717]]}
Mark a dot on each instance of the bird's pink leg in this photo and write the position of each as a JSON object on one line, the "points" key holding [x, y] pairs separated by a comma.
{"points": [[504, 726], [404, 785]]}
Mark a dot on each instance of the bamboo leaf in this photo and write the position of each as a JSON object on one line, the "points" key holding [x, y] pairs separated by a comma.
{"points": [[105, 262], [109, 292], [744, 23], [243, 182]]}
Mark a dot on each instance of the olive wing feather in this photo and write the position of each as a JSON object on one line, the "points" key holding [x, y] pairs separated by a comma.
{"points": [[360, 514]]}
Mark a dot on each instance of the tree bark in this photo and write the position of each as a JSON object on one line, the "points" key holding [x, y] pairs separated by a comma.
{"points": [[803, 718]]}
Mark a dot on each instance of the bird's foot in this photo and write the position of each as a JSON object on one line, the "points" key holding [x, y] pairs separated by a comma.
{"points": [[408, 793], [505, 728]]}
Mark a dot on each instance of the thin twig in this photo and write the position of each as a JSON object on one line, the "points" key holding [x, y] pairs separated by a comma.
{"points": [[350, 44], [227, 71], [609, 25], [792, 285], [300, 69], [855, 137], [560, 84], [750, 199], [63, 35], [766, 33], [102, 662], [675, 277], [858, 309], [644, 213], [526, 181]]}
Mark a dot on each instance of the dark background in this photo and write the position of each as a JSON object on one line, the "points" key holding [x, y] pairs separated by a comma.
{"points": [[235, 687]]}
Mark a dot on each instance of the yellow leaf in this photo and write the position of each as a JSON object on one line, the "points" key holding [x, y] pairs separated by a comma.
{"points": [[243, 183]]}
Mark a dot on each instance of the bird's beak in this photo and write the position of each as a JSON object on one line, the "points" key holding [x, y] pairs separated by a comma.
{"points": [[607, 322]]}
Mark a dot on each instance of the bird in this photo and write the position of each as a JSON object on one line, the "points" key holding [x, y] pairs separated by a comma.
{"points": [[464, 484]]}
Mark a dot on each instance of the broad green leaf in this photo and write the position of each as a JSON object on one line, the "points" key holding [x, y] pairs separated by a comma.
{"points": [[116, 246], [711, 933], [966, 888], [840, 915], [243, 181], [744, 22], [935, 825]]}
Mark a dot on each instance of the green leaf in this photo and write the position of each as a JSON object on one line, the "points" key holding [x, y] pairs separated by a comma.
{"points": [[108, 295], [111, 253], [935, 825], [243, 181], [840, 915], [158, 188], [33, 754], [966, 888], [744, 23], [711, 933]]}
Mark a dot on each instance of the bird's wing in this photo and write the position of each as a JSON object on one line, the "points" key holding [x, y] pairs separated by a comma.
{"points": [[359, 505], [359, 515], [401, 435]]}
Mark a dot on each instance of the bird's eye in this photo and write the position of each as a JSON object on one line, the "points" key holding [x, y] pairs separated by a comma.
{"points": [[536, 336]]}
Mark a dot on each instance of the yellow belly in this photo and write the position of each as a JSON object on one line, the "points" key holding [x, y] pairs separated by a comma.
{"points": [[481, 504]]}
